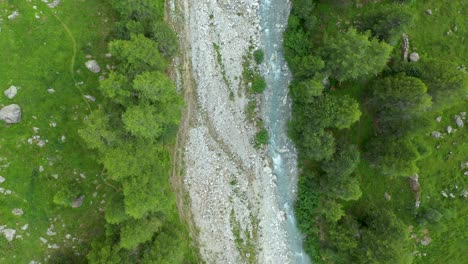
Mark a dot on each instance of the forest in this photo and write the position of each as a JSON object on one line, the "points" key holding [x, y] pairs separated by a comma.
{"points": [[372, 89], [132, 133]]}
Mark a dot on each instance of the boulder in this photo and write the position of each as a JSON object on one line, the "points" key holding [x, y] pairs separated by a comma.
{"points": [[93, 66], [438, 119], [414, 57], [387, 196], [458, 120], [436, 134], [2, 179], [78, 202], [13, 15], [429, 11], [90, 97], [54, 4], [11, 92], [17, 211], [449, 129], [9, 233], [11, 114]]}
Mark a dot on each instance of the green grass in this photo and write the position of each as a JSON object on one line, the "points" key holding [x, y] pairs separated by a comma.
{"points": [[38, 54]]}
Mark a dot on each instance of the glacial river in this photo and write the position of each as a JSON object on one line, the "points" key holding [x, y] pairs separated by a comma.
{"points": [[277, 111]]}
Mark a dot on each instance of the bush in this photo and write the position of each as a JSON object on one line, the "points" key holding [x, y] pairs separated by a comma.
{"points": [[258, 84], [261, 138], [259, 56]]}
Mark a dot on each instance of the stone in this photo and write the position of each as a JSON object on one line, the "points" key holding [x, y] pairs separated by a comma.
{"points": [[466, 173], [2, 179], [43, 240], [25, 227], [17, 211], [429, 11], [51, 90], [438, 119], [464, 194], [93, 66], [436, 134], [414, 57], [387, 196], [9, 233], [426, 241], [449, 129], [54, 4], [464, 165], [13, 15], [267, 170], [11, 92], [11, 114], [89, 97], [459, 121], [78, 202]]}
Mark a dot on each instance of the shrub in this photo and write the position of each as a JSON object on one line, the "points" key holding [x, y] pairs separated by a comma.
{"points": [[259, 56], [258, 84], [261, 137]]}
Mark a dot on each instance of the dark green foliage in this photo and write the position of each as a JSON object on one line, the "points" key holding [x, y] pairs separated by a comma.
{"points": [[307, 89], [307, 202], [143, 10], [393, 157], [343, 162], [116, 87], [131, 132], [258, 84], [316, 145], [385, 21], [446, 83], [166, 38], [135, 232], [261, 138], [398, 100], [306, 66], [259, 56], [331, 210], [329, 111], [296, 43], [389, 236], [352, 55], [137, 55]]}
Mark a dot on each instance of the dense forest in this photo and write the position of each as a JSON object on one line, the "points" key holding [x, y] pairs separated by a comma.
{"points": [[132, 133], [365, 117]]}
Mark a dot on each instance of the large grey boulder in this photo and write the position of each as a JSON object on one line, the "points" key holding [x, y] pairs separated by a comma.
{"points": [[11, 92], [11, 114], [414, 57], [93, 66]]}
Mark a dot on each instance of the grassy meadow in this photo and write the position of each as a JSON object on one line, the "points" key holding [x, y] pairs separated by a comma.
{"points": [[43, 49]]}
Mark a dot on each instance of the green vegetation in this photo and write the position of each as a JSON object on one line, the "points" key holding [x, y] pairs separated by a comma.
{"points": [[128, 214], [259, 56], [363, 120], [254, 84], [37, 54], [132, 143]]}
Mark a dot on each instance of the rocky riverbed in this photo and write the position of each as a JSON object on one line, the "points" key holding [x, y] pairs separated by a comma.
{"points": [[230, 184]]}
